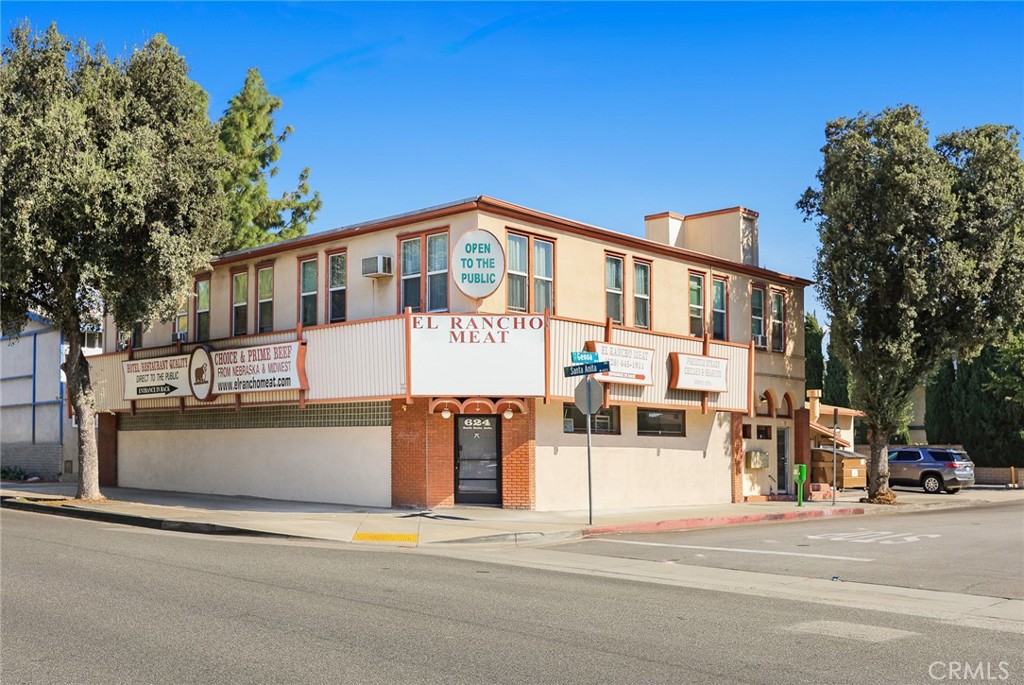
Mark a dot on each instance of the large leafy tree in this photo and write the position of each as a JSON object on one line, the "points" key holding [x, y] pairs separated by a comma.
{"points": [[814, 359], [921, 256], [247, 136], [109, 171]]}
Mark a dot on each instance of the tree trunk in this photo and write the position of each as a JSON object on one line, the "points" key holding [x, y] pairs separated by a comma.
{"points": [[878, 467], [76, 367]]}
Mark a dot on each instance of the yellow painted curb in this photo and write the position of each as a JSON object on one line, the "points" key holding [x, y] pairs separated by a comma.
{"points": [[385, 537]]}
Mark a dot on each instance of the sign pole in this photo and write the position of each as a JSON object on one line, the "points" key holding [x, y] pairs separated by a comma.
{"points": [[835, 427], [590, 488]]}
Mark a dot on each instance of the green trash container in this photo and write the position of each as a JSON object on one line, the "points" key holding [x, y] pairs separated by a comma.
{"points": [[800, 476]]}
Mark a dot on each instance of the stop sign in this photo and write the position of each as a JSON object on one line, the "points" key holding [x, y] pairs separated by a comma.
{"points": [[589, 387]]}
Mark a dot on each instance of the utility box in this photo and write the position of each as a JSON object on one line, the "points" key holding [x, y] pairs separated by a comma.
{"points": [[757, 459]]}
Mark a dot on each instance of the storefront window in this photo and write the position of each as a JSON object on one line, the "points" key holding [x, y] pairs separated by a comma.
{"points": [[605, 421], [660, 422]]}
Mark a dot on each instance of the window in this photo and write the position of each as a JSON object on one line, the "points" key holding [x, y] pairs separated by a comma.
{"points": [[93, 340], [605, 421], [265, 299], [203, 309], [719, 309], [757, 317], [240, 303], [641, 295], [746, 431], [778, 322], [764, 432], [613, 288], [181, 323], [660, 422], [437, 272], [905, 455], [697, 305], [435, 289], [307, 291], [337, 265], [136, 339], [519, 273]]}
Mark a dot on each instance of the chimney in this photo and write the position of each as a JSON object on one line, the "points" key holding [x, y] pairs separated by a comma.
{"points": [[814, 403]]}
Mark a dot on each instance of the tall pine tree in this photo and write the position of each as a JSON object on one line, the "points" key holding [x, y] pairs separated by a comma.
{"points": [[814, 365], [939, 414], [247, 136], [836, 385]]}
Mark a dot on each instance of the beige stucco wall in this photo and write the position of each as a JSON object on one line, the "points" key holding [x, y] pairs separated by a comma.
{"points": [[631, 470], [338, 465], [766, 481]]}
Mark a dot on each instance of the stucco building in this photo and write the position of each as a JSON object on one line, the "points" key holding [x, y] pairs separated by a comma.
{"points": [[417, 360]]}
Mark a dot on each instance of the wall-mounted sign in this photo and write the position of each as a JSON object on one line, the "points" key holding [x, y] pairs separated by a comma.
{"points": [[200, 374], [147, 379], [478, 263], [628, 365], [483, 355], [206, 372], [693, 372]]}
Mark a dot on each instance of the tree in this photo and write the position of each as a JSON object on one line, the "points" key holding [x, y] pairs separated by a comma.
{"points": [[921, 256], [836, 385], [814, 364], [111, 194], [940, 413], [1008, 372], [247, 136]]}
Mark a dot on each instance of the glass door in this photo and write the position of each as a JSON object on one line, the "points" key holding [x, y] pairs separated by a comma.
{"points": [[477, 460], [782, 446]]}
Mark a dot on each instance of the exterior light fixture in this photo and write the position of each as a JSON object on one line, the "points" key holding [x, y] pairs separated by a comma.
{"points": [[507, 414], [446, 413]]}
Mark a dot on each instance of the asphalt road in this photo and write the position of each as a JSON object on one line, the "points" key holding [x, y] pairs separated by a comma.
{"points": [[976, 550], [86, 602]]}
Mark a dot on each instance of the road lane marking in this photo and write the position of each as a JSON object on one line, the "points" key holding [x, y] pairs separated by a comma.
{"points": [[734, 549], [847, 631], [385, 537], [882, 537]]}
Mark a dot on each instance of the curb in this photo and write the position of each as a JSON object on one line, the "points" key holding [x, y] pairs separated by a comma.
{"points": [[72, 511], [719, 521]]}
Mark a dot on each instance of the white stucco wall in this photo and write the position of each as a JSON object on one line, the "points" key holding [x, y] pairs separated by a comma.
{"points": [[337, 465], [631, 471]]}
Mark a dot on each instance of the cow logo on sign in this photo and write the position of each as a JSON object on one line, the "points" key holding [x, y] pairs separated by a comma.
{"points": [[200, 366]]}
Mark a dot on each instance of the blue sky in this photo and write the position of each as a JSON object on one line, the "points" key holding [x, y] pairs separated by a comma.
{"points": [[598, 112]]}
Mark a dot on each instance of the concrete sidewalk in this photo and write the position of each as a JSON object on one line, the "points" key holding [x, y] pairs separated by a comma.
{"points": [[227, 515]]}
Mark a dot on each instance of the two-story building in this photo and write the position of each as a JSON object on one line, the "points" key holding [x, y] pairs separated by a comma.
{"points": [[418, 360]]}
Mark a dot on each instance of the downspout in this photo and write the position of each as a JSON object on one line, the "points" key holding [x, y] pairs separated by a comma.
{"points": [[61, 397], [35, 338]]}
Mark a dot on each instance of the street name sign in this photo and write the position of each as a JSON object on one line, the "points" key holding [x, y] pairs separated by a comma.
{"points": [[584, 357], [586, 369]]}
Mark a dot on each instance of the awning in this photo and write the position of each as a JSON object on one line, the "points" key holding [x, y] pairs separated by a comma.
{"points": [[827, 432]]}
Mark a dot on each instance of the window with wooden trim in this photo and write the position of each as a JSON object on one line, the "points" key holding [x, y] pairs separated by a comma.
{"points": [[757, 331], [432, 290], [240, 303], [660, 422], [697, 305], [136, 335], [719, 309], [778, 321], [337, 285], [203, 309], [531, 274], [308, 292], [641, 294], [265, 299], [613, 288], [181, 323], [764, 432], [746, 431]]}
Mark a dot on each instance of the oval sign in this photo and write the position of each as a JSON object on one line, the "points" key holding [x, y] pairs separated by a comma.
{"points": [[200, 374], [478, 263]]}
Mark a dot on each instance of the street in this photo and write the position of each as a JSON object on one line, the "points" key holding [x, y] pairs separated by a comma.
{"points": [[88, 602]]}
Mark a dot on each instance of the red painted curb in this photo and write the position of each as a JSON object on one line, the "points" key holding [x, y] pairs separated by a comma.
{"points": [[713, 521]]}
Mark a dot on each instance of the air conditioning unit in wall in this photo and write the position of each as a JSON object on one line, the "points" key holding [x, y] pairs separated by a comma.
{"points": [[760, 341], [378, 266], [179, 337]]}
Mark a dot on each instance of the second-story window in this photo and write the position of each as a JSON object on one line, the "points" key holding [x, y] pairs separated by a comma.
{"points": [[697, 305], [518, 273], [337, 285], [719, 309], [778, 322], [434, 290], [136, 337], [543, 275], [240, 303], [613, 288], [757, 317], [307, 291], [265, 299], [641, 294], [526, 278], [203, 309], [181, 323]]}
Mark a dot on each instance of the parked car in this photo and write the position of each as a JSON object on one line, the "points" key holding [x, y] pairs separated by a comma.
{"points": [[932, 468]]}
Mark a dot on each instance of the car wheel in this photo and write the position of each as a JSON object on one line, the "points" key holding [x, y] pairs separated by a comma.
{"points": [[952, 491], [931, 483]]}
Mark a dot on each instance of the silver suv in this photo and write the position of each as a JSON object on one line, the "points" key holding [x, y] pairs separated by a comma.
{"points": [[932, 468]]}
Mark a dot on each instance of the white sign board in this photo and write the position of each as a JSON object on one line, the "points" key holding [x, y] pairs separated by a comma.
{"points": [[628, 365], [477, 355], [478, 263], [693, 372], [265, 368], [149, 379]]}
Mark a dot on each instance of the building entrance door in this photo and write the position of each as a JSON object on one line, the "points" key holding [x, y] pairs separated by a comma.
{"points": [[477, 460], [782, 447]]}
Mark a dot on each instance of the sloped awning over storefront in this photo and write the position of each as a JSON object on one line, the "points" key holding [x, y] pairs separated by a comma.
{"points": [[826, 432]]}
